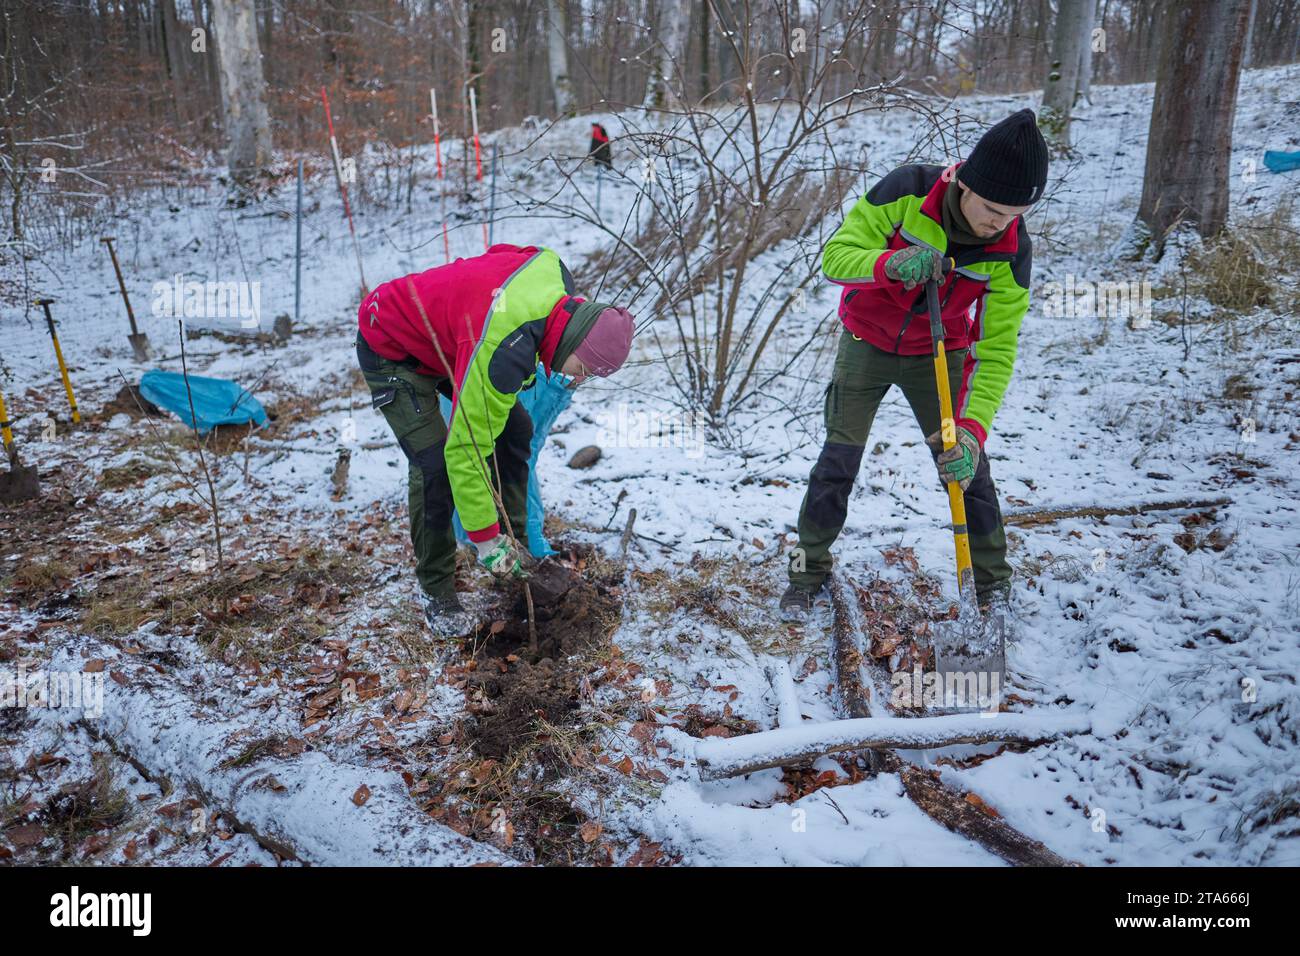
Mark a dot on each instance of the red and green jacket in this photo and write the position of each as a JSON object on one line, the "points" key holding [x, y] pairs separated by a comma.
{"points": [[493, 318], [906, 208]]}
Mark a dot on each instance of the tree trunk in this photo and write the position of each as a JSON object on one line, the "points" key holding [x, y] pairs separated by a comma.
{"points": [[702, 32], [557, 56], [820, 47], [268, 22], [666, 55], [1084, 85], [1190, 139], [248, 125], [1063, 71], [176, 56], [886, 25], [728, 65], [209, 59], [1248, 57]]}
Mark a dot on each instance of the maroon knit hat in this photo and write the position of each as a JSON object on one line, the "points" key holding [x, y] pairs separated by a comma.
{"points": [[606, 346]]}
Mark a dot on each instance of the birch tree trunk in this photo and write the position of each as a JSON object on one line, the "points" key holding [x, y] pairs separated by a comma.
{"points": [[1063, 71], [1084, 86], [557, 55], [1189, 147], [243, 89], [667, 55], [819, 49], [1248, 57]]}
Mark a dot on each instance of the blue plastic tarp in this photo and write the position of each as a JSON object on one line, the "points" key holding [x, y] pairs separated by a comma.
{"points": [[217, 401], [1281, 162], [543, 402]]}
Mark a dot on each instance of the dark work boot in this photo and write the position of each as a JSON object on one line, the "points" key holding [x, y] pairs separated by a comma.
{"points": [[797, 602], [446, 616]]}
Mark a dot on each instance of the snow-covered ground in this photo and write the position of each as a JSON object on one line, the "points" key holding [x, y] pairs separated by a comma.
{"points": [[1174, 630]]}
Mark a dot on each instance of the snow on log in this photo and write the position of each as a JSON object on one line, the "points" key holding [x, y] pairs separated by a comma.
{"points": [[308, 805], [787, 699], [1027, 517], [719, 757], [854, 693]]}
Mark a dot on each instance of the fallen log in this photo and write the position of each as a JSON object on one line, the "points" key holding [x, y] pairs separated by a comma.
{"points": [[854, 696], [1031, 517], [306, 808], [787, 699], [975, 820], [960, 812], [1025, 518], [729, 757]]}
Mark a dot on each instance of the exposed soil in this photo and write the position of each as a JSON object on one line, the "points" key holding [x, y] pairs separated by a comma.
{"points": [[129, 401], [575, 615]]}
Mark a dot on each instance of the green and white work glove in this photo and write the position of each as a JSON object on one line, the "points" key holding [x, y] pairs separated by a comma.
{"points": [[499, 556], [914, 265], [959, 462]]}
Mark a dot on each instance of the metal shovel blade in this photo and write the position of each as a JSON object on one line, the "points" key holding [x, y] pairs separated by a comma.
{"points": [[970, 659], [20, 482], [140, 345]]}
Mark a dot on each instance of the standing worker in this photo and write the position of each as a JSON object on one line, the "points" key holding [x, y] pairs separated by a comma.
{"points": [[909, 226]]}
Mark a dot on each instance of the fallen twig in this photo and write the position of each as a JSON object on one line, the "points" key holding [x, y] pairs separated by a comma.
{"points": [[1027, 518]]}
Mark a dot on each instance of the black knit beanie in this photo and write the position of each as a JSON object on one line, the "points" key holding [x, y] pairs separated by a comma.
{"points": [[1009, 163]]}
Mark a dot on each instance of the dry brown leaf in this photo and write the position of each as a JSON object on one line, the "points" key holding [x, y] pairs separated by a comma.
{"points": [[974, 800]]}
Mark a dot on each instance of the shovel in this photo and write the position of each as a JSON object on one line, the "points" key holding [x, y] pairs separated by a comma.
{"points": [[21, 481], [139, 341], [970, 652]]}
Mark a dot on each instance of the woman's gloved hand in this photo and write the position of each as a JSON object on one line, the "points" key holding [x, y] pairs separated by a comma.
{"points": [[500, 557]]}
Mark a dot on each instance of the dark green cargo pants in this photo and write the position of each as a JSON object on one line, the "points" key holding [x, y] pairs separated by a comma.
{"points": [[862, 377], [409, 402]]}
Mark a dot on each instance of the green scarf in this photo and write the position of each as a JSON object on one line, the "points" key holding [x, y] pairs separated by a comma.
{"points": [[579, 324]]}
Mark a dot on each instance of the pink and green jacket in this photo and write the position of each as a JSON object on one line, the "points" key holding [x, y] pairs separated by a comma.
{"points": [[484, 322], [906, 208]]}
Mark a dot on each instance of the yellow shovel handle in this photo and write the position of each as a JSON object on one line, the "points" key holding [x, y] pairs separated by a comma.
{"points": [[5, 432], [956, 498], [948, 433]]}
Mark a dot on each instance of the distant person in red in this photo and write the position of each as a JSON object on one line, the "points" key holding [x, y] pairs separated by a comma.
{"points": [[600, 150]]}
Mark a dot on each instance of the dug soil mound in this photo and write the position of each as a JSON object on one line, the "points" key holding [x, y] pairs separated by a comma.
{"points": [[525, 691]]}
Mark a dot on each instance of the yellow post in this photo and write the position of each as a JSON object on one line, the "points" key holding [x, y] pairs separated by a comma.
{"points": [[58, 353], [5, 432]]}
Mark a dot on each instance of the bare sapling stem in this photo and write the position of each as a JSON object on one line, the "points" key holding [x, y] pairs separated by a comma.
{"points": [[482, 460], [207, 474]]}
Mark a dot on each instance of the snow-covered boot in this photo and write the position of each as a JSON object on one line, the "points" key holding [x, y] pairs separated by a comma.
{"points": [[796, 602], [446, 616]]}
